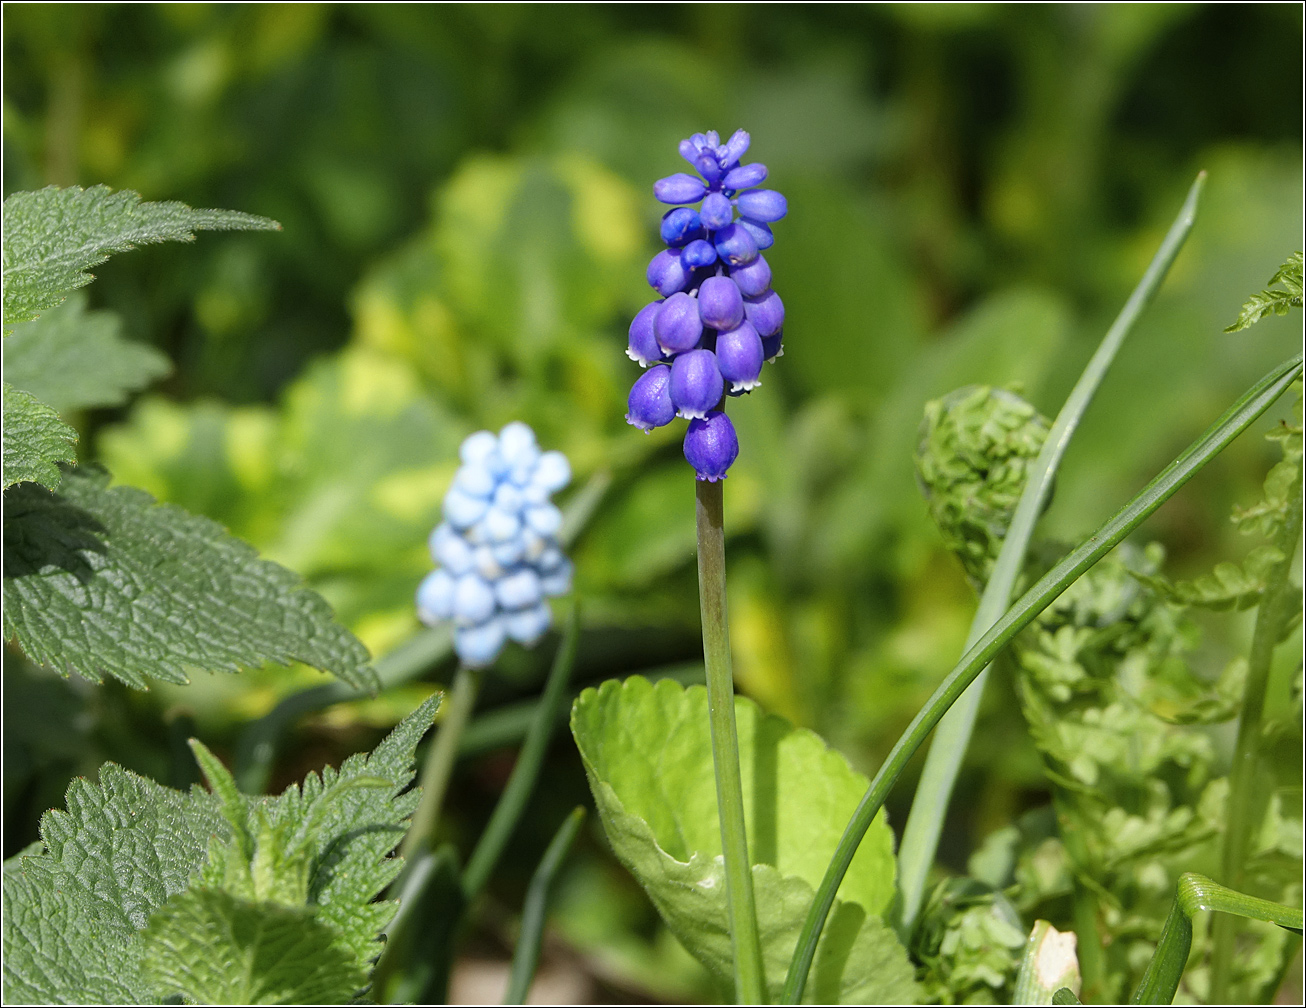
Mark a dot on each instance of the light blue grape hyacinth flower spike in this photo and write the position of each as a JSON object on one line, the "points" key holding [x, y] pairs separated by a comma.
{"points": [[497, 548]]}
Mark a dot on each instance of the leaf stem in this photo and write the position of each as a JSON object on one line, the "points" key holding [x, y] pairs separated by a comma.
{"points": [[440, 758], [750, 985], [920, 839], [527, 953], [1247, 791], [1234, 421]]}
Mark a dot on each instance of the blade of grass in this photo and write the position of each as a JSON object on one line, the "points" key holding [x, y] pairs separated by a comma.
{"points": [[1234, 421], [511, 804], [920, 839], [527, 954], [1197, 892]]}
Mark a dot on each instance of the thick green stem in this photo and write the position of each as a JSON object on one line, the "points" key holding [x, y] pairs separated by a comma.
{"points": [[920, 839], [750, 985], [440, 760], [1247, 791]]}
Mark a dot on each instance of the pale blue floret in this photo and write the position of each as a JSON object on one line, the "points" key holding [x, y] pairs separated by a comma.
{"points": [[558, 581], [544, 519], [553, 472], [450, 550], [500, 526], [497, 549], [478, 646], [473, 600], [435, 596], [518, 589], [526, 626], [463, 510]]}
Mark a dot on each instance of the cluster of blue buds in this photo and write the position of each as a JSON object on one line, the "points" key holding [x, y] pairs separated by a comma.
{"points": [[718, 320], [498, 545]]}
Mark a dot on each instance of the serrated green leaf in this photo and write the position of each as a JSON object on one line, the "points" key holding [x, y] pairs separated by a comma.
{"points": [[1271, 301], [72, 912], [214, 948], [123, 902], [648, 756], [35, 440], [53, 236], [104, 581], [71, 358]]}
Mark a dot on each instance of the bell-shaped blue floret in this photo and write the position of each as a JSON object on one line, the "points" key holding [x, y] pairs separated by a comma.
{"points": [[510, 553], [650, 399], [450, 550], [745, 176], [477, 447], [760, 233], [544, 519], [711, 446], [473, 600], [696, 383], [499, 525], [474, 480], [679, 188], [526, 626], [677, 324], [767, 313], [462, 509], [679, 225], [716, 211], [478, 646], [485, 564], [762, 205], [435, 597], [666, 273], [508, 497], [643, 348], [720, 305], [517, 444], [557, 580], [735, 244], [518, 589], [753, 279], [553, 472], [739, 357], [698, 253], [735, 148], [773, 345]]}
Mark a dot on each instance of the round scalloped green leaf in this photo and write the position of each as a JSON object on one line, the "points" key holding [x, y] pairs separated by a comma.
{"points": [[648, 754]]}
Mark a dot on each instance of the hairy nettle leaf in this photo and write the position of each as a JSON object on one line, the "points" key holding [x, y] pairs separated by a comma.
{"points": [[53, 236], [71, 358], [35, 440], [138, 893], [101, 580], [648, 755]]}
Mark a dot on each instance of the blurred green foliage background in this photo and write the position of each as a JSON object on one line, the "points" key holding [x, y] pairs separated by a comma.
{"points": [[465, 194]]}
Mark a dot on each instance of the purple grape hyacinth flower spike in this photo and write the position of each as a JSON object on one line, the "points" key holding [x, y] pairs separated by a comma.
{"points": [[716, 320]]}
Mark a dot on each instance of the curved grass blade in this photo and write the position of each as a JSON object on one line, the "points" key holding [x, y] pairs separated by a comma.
{"points": [[1234, 421], [1197, 892], [920, 839], [526, 772], [527, 954], [1065, 996]]}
